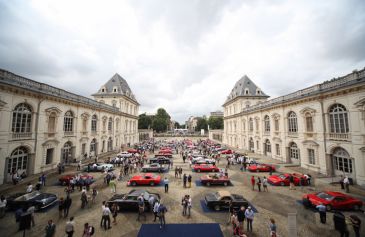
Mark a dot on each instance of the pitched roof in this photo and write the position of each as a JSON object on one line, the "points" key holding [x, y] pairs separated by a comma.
{"points": [[247, 88]]}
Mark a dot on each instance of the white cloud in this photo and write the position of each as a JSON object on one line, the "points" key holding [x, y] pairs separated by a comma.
{"points": [[183, 56]]}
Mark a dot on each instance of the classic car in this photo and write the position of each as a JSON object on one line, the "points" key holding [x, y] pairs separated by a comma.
{"points": [[164, 155], [132, 151], [214, 179], [160, 160], [65, 179], [221, 199], [283, 179], [205, 168], [226, 152], [332, 200], [154, 167], [203, 161], [37, 199], [97, 167], [129, 202], [165, 151], [146, 179], [261, 168]]}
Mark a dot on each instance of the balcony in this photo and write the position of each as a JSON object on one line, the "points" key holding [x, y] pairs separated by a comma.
{"points": [[22, 136], [339, 136], [69, 134]]}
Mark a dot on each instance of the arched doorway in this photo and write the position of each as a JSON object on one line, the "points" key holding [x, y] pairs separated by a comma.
{"points": [[66, 153], [342, 162], [294, 153], [267, 147], [18, 161], [110, 144], [93, 147]]}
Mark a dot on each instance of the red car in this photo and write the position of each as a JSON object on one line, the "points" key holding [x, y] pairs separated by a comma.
{"points": [[168, 152], [65, 179], [147, 179], [205, 168], [132, 151], [261, 168], [283, 179], [332, 200], [226, 152], [214, 179]]}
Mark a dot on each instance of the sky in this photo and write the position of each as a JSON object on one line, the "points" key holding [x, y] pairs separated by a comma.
{"points": [[182, 55]]}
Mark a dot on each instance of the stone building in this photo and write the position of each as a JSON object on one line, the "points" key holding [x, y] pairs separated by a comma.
{"points": [[41, 125], [321, 128]]}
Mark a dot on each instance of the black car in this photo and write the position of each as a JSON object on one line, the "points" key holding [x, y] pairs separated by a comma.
{"points": [[160, 160], [154, 167], [129, 202], [221, 199], [37, 199]]}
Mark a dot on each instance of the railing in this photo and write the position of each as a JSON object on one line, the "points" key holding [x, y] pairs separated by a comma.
{"points": [[19, 136], [69, 134], [339, 136]]}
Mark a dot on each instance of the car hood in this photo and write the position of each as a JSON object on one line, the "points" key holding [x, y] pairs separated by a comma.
{"points": [[210, 197]]}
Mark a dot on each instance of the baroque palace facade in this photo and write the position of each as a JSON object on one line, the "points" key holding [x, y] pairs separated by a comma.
{"points": [[41, 125], [321, 128]]}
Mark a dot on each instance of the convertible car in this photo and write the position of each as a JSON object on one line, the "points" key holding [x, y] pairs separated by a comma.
{"points": [[201, 160], [97, 167], [214, 179], [261, 168], [332, 200], [221, 199], [283, 179], [129, 202], [147, 179], [205, 168], [154, 167], [65, 179], [226, 152], [37, 199], [160, 160]]}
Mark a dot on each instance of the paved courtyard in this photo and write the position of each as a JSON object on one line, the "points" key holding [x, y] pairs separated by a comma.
{"points": [[276, 203]]}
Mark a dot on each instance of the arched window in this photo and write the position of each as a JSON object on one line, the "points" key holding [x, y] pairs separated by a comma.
{"points": [[22, 119], [68, 122], [250, 124], [251, 144], [110, 144], [338, 119], [18, 160], [267, 145], [342, 160], [294, 151], [292, 122], [66, 152], [267, 123], [257, 124], [308, 122], [94, 120], [110, 124], [93, 146], [52, 122]]}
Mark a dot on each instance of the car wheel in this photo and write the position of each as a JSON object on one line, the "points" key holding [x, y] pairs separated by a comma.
{"points": [[198, 170], [356, 207], [282, 184], [328, 207], [217, 208], [225, 183], [134, 184], [208, 184], [152, 183]]}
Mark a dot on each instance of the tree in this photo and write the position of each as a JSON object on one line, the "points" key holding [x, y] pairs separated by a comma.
{"points": [[215, 122], [161, 120], [144, 121], [201, 124]]}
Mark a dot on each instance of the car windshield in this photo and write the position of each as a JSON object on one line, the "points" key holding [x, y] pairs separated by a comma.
{"points": [[282, 176], [325, 196], [146, 195], [216, 194], [28, 196]]}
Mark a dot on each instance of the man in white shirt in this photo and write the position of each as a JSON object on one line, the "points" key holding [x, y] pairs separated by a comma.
{"points": [[155, 210], [106, 217], [70, 227]]}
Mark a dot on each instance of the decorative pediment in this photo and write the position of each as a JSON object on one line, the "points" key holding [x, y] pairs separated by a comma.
{"points": [[275, 116], [53, 110], [105, 118], [85, 116], [277, 139], [84, 139], [360, 103], [310, 143], [308, 110], [51, 142]]}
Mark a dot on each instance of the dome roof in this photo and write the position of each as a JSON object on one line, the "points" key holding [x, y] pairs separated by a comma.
{"points": [[246, 88]]}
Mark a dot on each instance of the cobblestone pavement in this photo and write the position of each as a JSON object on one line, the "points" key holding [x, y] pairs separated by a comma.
{"points": [[276, 203]]}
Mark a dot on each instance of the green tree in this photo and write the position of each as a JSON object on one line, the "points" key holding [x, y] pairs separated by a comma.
{"points": [[144, 121], [215, 122], [201, 124], [161, 120]]}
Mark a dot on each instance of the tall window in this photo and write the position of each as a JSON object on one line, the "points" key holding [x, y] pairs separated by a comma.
{"points": [[276, 122], [18, 160], [257, 145], [110, 144], [244, 125], [93, 146], [68, 122], [250, 124], [22, 119], [52, 122], [84, 125], [338, 119], [267, 123], [309, 122], [292, 122], [110, 124], [294, 151], [342, 160], [251, 144], [277, 149], [93, 123], [257, 125], [311, 157], [104, 123], [268, 145]]}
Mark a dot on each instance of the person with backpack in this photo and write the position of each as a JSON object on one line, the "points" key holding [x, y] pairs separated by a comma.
{"points": [[161, 212]]}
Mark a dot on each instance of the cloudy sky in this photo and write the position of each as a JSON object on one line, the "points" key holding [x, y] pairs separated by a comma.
{"points": [[182, 55]]}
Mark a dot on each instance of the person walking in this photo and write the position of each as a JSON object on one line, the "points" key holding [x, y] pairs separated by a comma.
{"points": [[176, 171], [291, 182], [189, 180], [356, 224], [106, 217], [230, 212], [93, 195], [259, 183], [166, 182], [70, 227], [339, 221], [346, 182], [184, 203], [190, 202], [31, 211], [341, 182], [180, 172], [162, 212], [79, 165], [67, 206], [141, 208], [83, 199], [88, 230], [2, 206], [264, 184], [61, 206], [253, 182], [50, 229], [322, 212], [43, 179], [155, 210], [241, 217], [113, 185], [114, 211], [185, 178], [272, 227], [249, 214]]}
